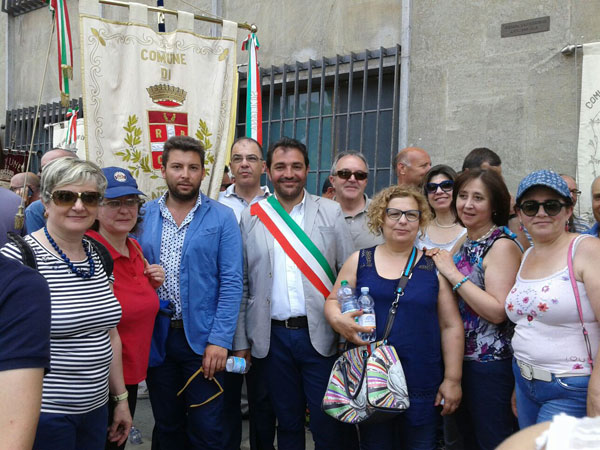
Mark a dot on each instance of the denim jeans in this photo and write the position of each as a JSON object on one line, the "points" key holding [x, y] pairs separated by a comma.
{"points": [[396, 434], [538, 401], [85, 431], [485, 417]]}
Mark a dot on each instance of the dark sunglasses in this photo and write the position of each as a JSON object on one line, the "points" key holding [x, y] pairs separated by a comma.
{"points": [[412, 215], [531, 207], [345, 174], [446, 186], [64, 198]]}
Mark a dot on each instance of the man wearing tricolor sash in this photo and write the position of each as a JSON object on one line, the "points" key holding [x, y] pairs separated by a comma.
{"points": [[294, 245]]}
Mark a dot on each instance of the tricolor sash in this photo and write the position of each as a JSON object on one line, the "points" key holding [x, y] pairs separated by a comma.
{"points": [[295, 243]]}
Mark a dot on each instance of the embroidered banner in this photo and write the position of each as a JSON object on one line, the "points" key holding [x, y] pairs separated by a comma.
{"points": [[588, 149], [142, 87]]}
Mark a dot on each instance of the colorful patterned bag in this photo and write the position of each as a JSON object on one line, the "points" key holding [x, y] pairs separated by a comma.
{"points": [[368, 382]]}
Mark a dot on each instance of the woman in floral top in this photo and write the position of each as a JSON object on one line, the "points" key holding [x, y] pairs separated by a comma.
{"points": [[482, 272], [551, 366]]}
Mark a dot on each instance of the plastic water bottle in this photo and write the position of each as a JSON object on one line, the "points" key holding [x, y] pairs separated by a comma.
{"points": [[135, 436], [367, 304], [235, 364], [347, 299]]}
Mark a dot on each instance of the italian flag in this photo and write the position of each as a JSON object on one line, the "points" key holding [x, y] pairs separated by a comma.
{"points": [[295, 243], [253, 95], [65, 47]]}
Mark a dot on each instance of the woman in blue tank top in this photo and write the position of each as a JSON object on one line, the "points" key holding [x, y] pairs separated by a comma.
{"points": [[427, 331]]}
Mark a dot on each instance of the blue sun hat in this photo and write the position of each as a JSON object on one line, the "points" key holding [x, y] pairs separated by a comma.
{"points": [[545, 178], [120, 183]]}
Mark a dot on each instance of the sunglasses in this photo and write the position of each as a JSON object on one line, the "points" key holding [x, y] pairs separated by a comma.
{"points": [[412, 215], [345, 174], [128, 203], [446, 186], [69, 198], [531, 207]]}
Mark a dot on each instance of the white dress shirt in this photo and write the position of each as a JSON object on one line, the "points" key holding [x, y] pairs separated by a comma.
{"points": [[288, 294], [238, 204]]}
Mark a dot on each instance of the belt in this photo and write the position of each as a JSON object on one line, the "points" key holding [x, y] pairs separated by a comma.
{"points": [[293, 323], [530, 372], [176, 323]]}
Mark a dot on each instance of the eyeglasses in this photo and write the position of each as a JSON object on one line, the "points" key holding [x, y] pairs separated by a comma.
{"points": [[345, 174], [412, 215], [69, 198], [575, 192], [252, 159], [531, 207], [446, 186], [128, 203]]}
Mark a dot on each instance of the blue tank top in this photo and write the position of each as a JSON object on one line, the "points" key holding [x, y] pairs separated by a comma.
{"points": [[416, 331]]}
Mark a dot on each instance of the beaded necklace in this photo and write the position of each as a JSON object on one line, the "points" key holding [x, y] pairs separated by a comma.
{"points": [[65, 258]]}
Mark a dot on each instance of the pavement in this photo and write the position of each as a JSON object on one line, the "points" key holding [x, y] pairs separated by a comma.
{"points": [[144, 421]]}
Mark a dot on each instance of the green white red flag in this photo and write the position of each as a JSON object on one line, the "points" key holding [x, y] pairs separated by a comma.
{"points": [[65, 47], [253, 91]]}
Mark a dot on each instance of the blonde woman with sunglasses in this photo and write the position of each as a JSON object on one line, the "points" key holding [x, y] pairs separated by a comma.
{"points": [[85, 347], [553, 359]]}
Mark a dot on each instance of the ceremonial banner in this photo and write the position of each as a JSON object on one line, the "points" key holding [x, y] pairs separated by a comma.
{"points": [[60, 137], [588, 150], [142, 87]]}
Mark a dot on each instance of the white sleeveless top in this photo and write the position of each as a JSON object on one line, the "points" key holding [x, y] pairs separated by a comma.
{"points": [[548, 332], [424, 241]]}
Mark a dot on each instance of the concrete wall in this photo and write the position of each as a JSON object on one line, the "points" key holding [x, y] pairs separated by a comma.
{"points": [[468, 86]]}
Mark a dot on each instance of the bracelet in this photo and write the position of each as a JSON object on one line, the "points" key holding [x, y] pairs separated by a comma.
{"points": [[459, 284], [120, 397]]}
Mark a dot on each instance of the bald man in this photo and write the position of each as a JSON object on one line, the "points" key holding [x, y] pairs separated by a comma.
{"points": [[34, 214], [594, 231], [412, 163], [28, 180]]}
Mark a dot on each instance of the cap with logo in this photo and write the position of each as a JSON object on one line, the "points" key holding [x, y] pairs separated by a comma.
{"points": [[120, 183]]}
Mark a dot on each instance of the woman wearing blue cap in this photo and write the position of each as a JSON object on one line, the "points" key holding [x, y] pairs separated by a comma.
{"points": [[135, 280], [555, 340]]}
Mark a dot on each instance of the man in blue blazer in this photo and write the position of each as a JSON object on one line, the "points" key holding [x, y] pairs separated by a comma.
{"points": [[197, 241]]}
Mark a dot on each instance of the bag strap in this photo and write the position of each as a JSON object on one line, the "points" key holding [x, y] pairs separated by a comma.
{"points": [[104, 254], [27, 255], [406, 274], [139, 252], [578, 301]]}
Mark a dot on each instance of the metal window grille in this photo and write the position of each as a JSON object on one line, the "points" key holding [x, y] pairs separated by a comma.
{"points": [[331, 105], [19, 127], [18, 7]]}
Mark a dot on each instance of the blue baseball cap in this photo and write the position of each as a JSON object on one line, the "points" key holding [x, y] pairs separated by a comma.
{"points": [[120, 183], [545, 178]]}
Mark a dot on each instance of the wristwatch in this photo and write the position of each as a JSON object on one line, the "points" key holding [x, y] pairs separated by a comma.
{"points": [[120, 397]]}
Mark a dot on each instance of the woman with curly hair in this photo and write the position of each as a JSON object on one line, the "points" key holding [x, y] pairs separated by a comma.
{"points": [[427, 331]]}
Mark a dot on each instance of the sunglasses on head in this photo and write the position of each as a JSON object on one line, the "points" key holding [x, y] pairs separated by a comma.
{"points": [[445, 186], [64, 198], [531, 207], [345, 174]]}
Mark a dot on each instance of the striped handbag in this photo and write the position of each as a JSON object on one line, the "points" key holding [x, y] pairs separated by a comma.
{"points": [[368, 382]]}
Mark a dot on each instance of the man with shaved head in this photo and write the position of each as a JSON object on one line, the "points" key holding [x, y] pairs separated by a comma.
{"points": [[29, 181], [34, 214], [412, 163]]}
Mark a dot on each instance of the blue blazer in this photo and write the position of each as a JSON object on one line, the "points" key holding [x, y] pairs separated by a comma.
{"points": [[210, 278]]}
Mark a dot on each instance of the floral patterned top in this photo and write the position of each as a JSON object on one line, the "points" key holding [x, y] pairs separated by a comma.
{"points": [[548, 331], [484, 341]]}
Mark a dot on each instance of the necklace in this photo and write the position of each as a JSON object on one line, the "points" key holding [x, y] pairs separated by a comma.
{"points": [[65, 258], [486, 235], [443, 226]]}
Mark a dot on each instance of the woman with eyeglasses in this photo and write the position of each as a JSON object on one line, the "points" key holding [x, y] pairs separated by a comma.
{"points": [[552, 356], [135, 280], [444, 231], [85, 348], [427, 331], [482, 272]]}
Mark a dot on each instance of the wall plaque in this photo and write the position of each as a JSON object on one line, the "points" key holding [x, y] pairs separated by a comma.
{"points": [[528, 26]]}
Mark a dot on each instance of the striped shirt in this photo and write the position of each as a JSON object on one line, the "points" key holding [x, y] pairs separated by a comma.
{"points": [[83, 311]]}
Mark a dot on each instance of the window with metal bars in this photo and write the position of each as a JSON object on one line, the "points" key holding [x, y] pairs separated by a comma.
{"points": [[18, 7], [331, 105]]}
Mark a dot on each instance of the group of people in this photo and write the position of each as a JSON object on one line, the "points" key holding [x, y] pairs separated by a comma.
{"points": [[485, 330]]}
